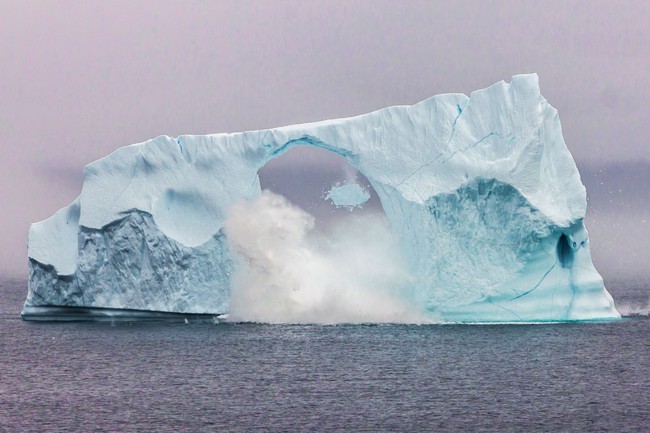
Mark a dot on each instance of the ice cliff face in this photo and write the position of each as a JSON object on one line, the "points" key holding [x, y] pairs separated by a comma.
{"points": [[481, 191], [130, 263]]}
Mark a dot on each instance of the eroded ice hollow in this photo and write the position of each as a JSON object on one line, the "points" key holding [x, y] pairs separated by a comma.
{"points": [[481, 192]]}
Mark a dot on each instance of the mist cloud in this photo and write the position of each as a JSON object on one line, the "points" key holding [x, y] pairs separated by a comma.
{"points": [[286, 272]]}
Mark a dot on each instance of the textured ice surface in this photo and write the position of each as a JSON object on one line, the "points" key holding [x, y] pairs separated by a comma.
{"points": [[351, 195], [131, 264], [481, 192]]}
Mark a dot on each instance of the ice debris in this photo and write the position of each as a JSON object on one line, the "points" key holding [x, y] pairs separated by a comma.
{"points": [[351, 195]]}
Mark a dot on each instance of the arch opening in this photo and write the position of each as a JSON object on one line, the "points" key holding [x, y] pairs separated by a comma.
{"points": [[312, 177]]}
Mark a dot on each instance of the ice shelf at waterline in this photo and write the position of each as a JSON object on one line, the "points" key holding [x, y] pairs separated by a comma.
{"points": [[481, 192]]}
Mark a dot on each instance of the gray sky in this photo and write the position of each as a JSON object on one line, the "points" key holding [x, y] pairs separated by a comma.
{"points": [[82, 78]]}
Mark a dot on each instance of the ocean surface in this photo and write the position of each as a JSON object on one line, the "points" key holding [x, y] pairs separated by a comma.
{"points": [[201, 376]]}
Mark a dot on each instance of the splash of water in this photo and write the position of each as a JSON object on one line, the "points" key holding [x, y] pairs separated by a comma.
{"points": [[286, 272], [628, 310]]}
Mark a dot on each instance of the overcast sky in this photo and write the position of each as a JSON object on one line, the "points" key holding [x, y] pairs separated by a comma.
{"points": [[79, 79]]}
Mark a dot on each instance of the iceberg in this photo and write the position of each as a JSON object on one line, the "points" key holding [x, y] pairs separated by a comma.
{"points": [[480, 191]]}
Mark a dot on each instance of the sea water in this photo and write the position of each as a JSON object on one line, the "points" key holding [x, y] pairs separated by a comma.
{"points": [[202, 376]]}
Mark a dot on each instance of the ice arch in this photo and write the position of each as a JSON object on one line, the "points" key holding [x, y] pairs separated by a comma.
{"points": [[322, 183], [479, 190]]}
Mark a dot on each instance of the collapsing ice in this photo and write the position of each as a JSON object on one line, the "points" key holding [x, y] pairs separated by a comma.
{"points": [[481, 193]]}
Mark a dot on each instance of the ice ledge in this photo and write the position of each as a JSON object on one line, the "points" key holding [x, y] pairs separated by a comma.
{"points": [[52, 241]]}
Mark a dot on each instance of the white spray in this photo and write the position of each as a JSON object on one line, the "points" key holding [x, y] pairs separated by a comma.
{"points": [[629, 309], [288, 273]]}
